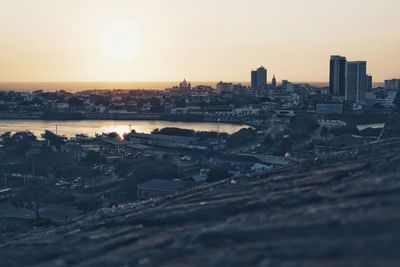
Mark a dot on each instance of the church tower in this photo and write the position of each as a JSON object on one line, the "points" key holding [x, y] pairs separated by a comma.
{"points": [[274, 82]]}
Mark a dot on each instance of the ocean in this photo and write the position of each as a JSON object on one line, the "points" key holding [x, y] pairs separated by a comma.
{"points": [[82, 86]]}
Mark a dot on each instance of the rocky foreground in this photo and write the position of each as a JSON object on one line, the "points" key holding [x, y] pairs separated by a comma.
{"points": [[343, 210]]}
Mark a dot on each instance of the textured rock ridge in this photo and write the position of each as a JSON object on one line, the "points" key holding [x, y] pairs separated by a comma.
{"points": [[345, 211]]}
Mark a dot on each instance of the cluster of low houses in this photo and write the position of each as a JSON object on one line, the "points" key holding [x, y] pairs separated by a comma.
{"points": [[113, 149], [198, 100], [153, 188], [160, 188]]}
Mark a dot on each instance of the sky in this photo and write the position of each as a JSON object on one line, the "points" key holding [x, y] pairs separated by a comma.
{"points": [[201, 40]]}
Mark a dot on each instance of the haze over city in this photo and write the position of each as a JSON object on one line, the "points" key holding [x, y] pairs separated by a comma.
{"points": [[99, 40]]}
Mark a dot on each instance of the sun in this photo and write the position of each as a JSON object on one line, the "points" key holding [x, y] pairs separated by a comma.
{"points": [[120, 40]]}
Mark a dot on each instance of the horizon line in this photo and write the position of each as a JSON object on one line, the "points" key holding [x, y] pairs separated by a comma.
{"points": [[158, 81]]}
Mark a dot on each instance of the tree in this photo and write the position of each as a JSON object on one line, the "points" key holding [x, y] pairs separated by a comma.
{"points": [[23, 137], [284, 144], [301, 126], [48, 159], [241, 137], [128, 136], [5, 138], [174, 132], [30, 197], [113, 135], [93, 158], [217, 174], [53, 140], [18, 143]]}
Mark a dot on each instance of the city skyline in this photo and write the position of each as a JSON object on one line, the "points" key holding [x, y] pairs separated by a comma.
{"points": [[128, 41]]}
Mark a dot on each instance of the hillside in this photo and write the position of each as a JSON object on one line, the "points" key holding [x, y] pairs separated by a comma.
{"points": [[341, 211]]}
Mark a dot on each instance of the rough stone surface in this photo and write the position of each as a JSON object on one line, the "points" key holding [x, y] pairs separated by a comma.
{"points": [[345, 211], [392, 125]]}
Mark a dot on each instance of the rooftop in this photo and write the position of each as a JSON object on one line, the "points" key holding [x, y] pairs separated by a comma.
{"points": [[163, 137]]}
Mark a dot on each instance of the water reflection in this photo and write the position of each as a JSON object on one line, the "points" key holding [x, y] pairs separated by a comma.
{"points": [[71, 128]]}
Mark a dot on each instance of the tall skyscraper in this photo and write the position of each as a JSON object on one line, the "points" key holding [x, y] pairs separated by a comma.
{"points": [[258, 80], [337, 77], [356, 81], [254, 80]]}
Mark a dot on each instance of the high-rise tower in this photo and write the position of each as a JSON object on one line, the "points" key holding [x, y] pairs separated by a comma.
{"points": [[356, 85], [258, 80], [337, 77]]}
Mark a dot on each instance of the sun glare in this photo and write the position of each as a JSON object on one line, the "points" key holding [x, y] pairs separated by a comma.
{"points": [[120, 41]]}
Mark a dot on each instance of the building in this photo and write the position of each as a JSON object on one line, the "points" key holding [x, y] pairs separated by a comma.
{"points": [[223, 87], [369, 82], [284, 113], [329, 108], [61, 106], [160, 188], [356, 84], [337, 77], [258, 167], [219, 111], [188, 110], [229, 88], [381, 98], [178, 142], [247, 112], [75, 149], [273, 85], [163, 140], [332, 124], [202, 176], [200, 98], [258, 80], [287, 86], [393, 84], [185, 85], [253, 82]]}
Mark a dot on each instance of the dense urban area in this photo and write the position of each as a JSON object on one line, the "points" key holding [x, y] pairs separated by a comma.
{"points": [[50, 179]]}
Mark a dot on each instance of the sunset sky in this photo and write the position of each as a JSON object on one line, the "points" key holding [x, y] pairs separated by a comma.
{"points": [[202, 40]]}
